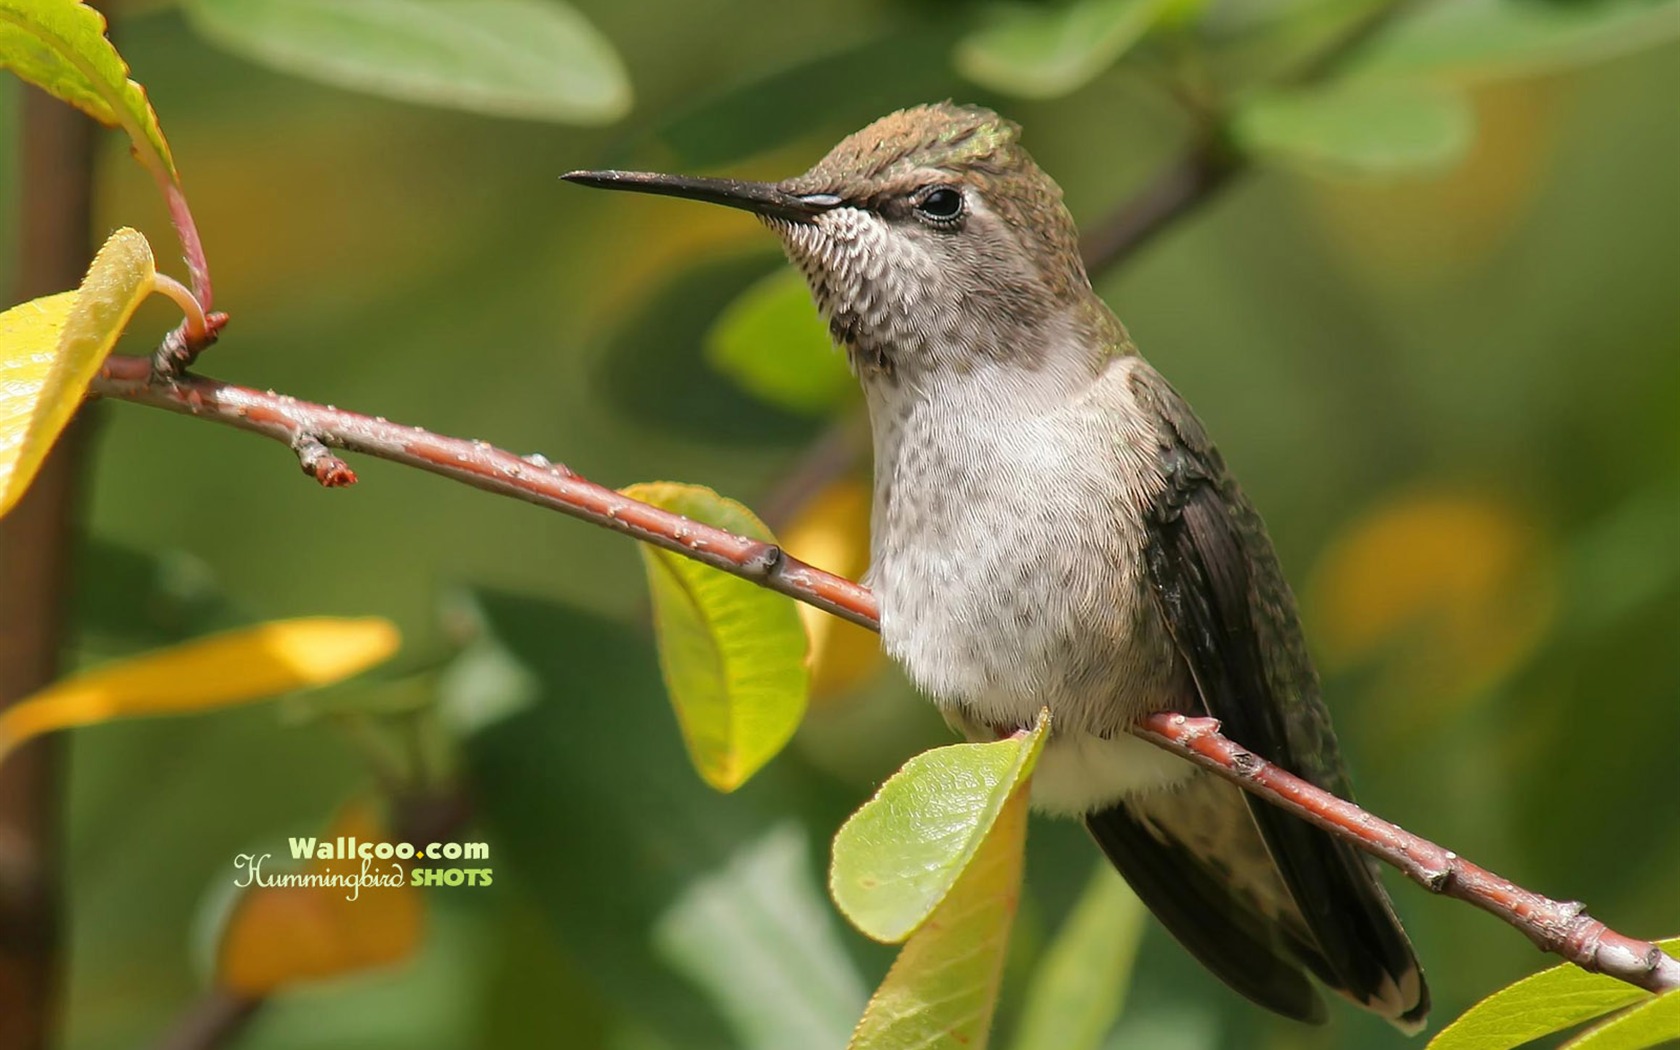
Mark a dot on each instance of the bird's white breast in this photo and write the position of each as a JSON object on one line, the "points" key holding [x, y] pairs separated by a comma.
{"points": [[1006, 555]]}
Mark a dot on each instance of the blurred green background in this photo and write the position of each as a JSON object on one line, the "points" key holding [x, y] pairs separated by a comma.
{"points": [[1450, 391]]}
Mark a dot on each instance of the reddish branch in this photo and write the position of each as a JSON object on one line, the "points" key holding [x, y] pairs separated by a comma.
{"points": [[312, 430], [1560, 927]]}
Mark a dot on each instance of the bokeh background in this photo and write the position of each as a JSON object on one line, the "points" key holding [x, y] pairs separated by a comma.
{"points": [[1449, 386]]}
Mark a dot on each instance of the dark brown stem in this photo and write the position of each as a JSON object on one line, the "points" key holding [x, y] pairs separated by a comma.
{"points": [[1189, 182], [36, 539], [1555, 926], [1562, 928]]}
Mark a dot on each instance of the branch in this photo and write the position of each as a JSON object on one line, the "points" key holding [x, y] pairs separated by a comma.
{"points": [[1562, 928], [1180, 188], [1558, 927], [312, 430]]}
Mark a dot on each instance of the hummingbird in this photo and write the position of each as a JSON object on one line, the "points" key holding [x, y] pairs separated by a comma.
{"points": [[1052, 527]]}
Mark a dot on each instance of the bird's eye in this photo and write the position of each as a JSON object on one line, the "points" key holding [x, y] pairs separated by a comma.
{"points": [[941, 205]]}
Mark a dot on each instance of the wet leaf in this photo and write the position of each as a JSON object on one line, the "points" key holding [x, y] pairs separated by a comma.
{"points": [[60, 47], [50, 350], [252, 663], [534, 59], [732, 653], [900, 854]]}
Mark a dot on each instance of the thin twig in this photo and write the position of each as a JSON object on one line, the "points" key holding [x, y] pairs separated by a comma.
{"points": [[1562, 928], [311, 429], [1184, 185], [1557, 927]]}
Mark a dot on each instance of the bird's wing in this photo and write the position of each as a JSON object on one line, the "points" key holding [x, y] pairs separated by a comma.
{"points": [[1232, 618], [1196, 859]]}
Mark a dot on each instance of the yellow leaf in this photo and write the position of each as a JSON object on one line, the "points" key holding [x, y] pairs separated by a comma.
{"points": [[50, 350], [942, 989], [239, 666], [832, 533], [1457, 588], [279, 935], [732, 653]]}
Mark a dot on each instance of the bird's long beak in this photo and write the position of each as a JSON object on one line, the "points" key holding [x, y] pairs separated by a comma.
{"points": [[760, 198]]}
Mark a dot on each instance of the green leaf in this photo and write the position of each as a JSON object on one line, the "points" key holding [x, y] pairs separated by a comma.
{"points": [[942, 989], [512, 58], [50, 350], [60, 47], [1359, 128], [900, 854], [483, 685], [663, 333], [1044, 52], [733, 653], [1080, 985], [1487, 39], [1549, 1001], [788, 982], [1654, 1022], [773, 343]]}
